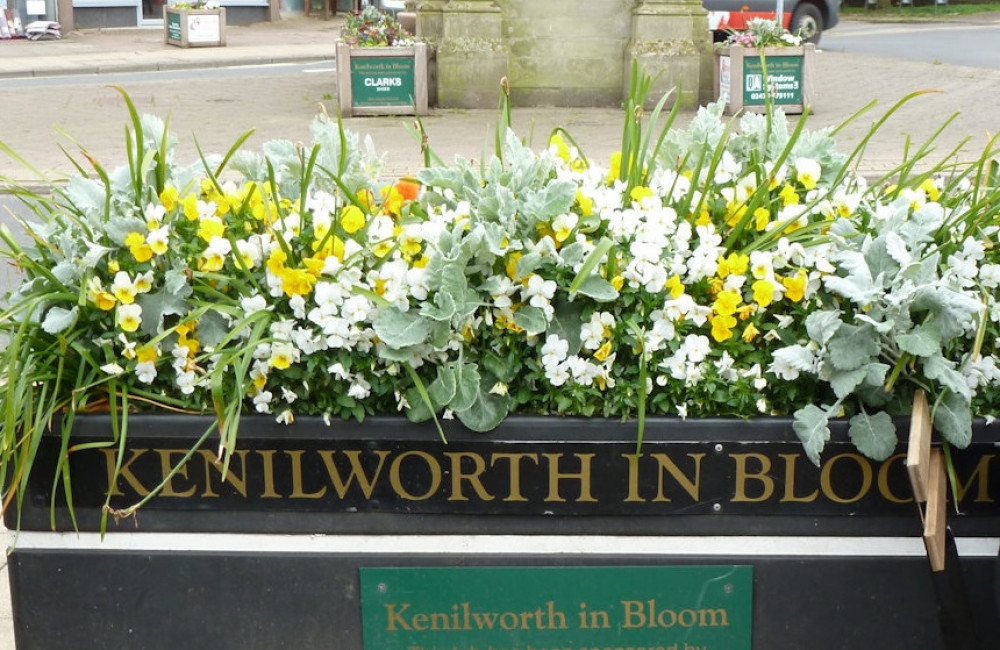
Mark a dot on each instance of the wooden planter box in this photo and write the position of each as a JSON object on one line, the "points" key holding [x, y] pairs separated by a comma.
{"points": [[382, 80], [378, 536], [744, 77], [194, 27]]}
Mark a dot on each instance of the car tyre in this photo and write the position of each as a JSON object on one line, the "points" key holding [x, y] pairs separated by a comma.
{"points": [[807, 21]]}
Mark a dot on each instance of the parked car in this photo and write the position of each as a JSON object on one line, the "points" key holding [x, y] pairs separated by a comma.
{"points": [[808, 18]]}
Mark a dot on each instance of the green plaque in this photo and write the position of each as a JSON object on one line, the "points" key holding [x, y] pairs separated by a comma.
{"points": [[174, 32], [382, 81], [557, 608], [783, 80]]}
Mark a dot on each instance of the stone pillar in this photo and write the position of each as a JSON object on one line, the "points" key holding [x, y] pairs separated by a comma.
{"points": [[670, 38], [429, 29], [471, 55]]}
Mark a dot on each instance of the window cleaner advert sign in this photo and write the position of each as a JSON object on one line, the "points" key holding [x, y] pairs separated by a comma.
{"points": [[783, 81], [382, 81]]}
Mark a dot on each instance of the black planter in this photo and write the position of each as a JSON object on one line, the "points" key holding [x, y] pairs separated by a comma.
{"points": [[271, 558]]}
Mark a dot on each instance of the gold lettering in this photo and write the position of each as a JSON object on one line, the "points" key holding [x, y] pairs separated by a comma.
{"points": [[826, 484], [167, 465], [691, 486], [743, 475], [883, 480], [267, 456], [397, 483], [458, 476], [110, 457], [982, 472], [583, 476], [298, 491], [514, 461], [790, 473], [633, 479], [366, 483], [211, 462]]}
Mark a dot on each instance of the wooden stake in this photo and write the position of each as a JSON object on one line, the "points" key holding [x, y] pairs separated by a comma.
{"points": [[919, 450], [934, 524]]}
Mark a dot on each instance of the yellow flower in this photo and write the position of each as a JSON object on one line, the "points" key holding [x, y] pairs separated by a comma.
{"points": [[168, 197], [704, 216], [639, 193], [561, 148], [511, 266], [123, 288], [618, 282], [210, 228], [615, 166], [734, 213], [789, 196], [761, 217], [795, 288], [928, 186], [807, 172], [147, 353], [129, 317], [602, 352], [726, 303], [763, 292], [190, 205], [276, 261], [137, 245], [675, 286], [297, 282], [734, 264], [722, 327], [750, 332], [366, 199], [352, 219], [586, 203]]}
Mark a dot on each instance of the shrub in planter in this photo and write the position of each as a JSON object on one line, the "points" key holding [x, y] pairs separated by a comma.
{"points": [[704, 272]]}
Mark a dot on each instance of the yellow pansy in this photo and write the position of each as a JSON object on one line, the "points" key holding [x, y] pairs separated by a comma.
{"points": [[561, 148], [788, 195], [761, 217], [586, 203], [733, 264], [602, 352], [137, 245], [639, 193], [210, 228], [675, 286], [795, 288], [352, 219], [726, 303], [190, 205], [763, 292], [722, 327], [147, 353], [168, 197], [932, 191], [750, 332], [297, 282]]}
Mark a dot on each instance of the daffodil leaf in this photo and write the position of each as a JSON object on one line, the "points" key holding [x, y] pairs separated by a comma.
{"points": [[873, 435], [531, 319], [953, 418], [924, 341], [59, 319], [822, 325], [812, 427], [400, 329], [466, 385], [597, 288]]}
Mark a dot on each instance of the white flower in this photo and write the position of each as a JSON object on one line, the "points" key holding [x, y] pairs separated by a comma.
{"points": [[554, 350], [696, 347], [145, 371], [253, 304]]}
